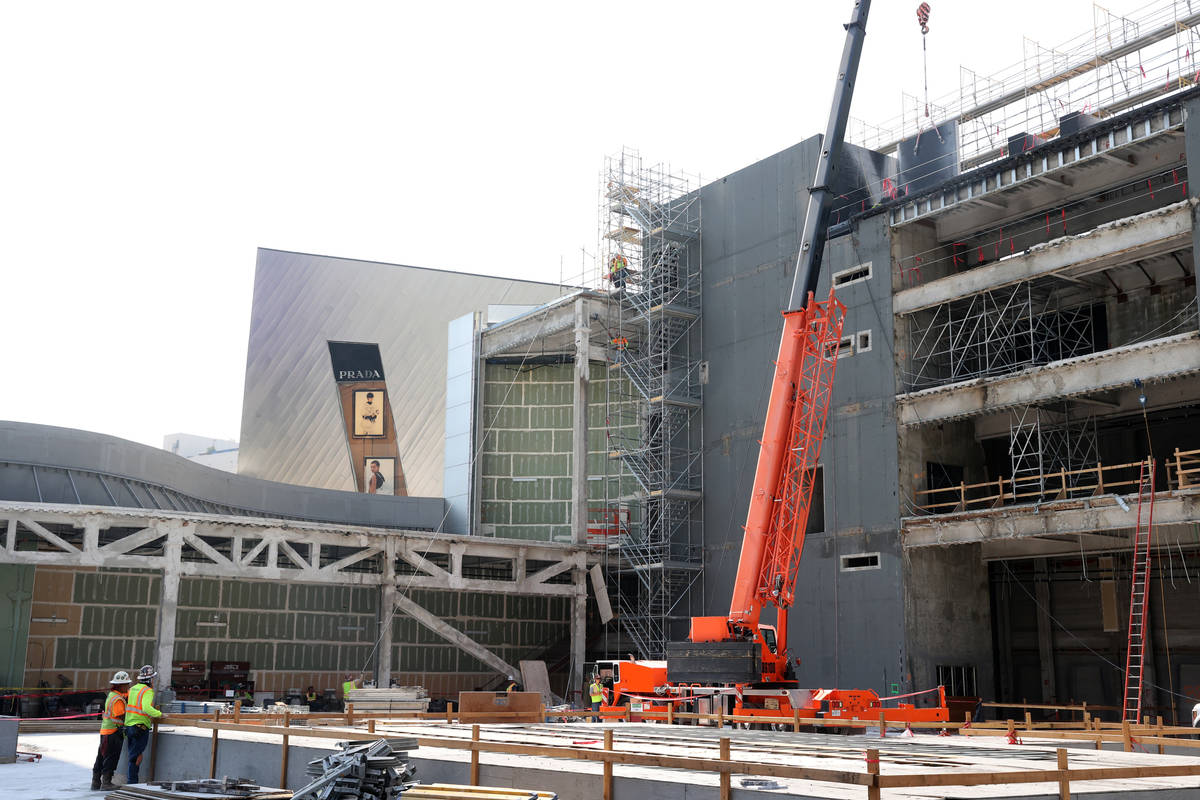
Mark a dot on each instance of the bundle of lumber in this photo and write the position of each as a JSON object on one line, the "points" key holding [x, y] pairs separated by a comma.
{"points": [[397, 700]]}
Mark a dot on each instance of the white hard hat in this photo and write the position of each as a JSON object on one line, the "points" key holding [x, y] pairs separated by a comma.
{"points": [[121, 677]]}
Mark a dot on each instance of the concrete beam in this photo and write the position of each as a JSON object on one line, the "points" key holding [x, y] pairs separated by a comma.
{"points": [[168, 608], [454, 636], [1156, 360], [1092, 517], [1120, 242], [579, 430]]}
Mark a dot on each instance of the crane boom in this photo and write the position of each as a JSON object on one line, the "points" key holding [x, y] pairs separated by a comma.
{"points": [[800, 391]]}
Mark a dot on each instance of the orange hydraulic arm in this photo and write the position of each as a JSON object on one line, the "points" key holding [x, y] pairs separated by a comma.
{"points": [[790, 449]]}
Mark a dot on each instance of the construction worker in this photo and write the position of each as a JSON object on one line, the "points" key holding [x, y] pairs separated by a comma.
{"points": [[112, 736], [512, 685], [621, 344], [348, 685], [245, 696], [618, 270], [596, 692], [139, 713], [310, 698]]}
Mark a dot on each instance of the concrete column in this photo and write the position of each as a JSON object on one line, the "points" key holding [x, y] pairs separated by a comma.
{"points": [[387, 604], [1041, 585], [579, 435], [578, 630], [1191, 148], [168, 606]]}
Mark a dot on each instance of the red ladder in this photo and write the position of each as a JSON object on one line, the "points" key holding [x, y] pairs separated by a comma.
{"points": [[1138, 594]]}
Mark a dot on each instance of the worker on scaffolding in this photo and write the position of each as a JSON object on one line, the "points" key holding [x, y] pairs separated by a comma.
{"points": [[348, 685], [618, 270]]}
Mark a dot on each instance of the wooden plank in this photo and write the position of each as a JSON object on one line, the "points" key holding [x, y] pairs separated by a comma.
{"points": [[474, 756], [1036, 776], [608, 767], [1064, 781], [725, 776]]}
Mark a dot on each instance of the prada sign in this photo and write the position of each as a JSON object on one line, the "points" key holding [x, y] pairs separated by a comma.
{"points": [[354, 362]]}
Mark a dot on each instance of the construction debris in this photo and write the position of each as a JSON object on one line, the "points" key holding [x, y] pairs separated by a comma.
{"points": [[205, 789], [375, 771]]}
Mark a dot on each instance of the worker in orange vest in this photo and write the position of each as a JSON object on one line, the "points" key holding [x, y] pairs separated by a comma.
{"points": [[112, 735]]}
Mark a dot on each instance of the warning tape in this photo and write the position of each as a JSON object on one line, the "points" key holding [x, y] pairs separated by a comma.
{"points": [[47, 693]]}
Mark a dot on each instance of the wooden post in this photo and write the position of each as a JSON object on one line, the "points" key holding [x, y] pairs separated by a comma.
{"points": [[962, 495], [237, 711], [212, 755], [725, 775], [1099, 477], [795, 720], [1126, 736], [349, 714], [608, 765], [1179, 484], [1159, 719], [873, 769], [474, 756], [720, 712], [449, 711], [882, 726], [1064, 783], [670, 713], [628, 715], [283, 756], [1028, 721], [154, 748]]}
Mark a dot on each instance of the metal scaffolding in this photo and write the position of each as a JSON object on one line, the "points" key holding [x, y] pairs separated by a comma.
{"points": [[650, 250], [1116, 65], [1044, 441], [995, 333]]}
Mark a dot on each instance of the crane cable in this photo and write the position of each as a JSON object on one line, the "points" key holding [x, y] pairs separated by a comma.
{"points": [[923, 21]]}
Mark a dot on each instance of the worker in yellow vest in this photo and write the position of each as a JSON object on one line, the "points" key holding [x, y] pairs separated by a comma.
{"points": [[112, 724], [139, 713], [348, 685], [596, 692]]}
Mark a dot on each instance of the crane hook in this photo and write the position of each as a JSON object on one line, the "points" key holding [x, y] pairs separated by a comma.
{"points": [[923, 17]]}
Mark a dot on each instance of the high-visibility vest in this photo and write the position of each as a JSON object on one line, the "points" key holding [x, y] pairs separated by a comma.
{"points": [[616, 264], [114, 713], [597, 692], [139, 709], [311, 697], [347, 687]]}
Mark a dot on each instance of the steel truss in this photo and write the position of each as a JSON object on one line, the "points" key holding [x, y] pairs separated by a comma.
{"points": [[994, 333], [188, 544], [650, 221]]}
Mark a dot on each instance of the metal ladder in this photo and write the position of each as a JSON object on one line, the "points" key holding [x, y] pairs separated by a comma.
{"points": [[1138, 594]]}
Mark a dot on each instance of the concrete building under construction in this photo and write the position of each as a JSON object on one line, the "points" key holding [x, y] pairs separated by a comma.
{"points": [[1021, 337]]}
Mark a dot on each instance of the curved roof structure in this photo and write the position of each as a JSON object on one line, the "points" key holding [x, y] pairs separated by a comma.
{"points": [[47, 464]]}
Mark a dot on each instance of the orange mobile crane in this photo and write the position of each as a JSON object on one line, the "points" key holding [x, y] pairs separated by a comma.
{"points": [[736, 655]]}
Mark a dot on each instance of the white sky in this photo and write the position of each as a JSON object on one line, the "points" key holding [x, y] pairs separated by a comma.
{"points": [[147, 149]]}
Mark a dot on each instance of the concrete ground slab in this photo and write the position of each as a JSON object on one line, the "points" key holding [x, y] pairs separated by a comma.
{"points": [[184, 753]]}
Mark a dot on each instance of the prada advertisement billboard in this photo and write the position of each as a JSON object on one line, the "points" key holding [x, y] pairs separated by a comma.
{"points": [[369, 426]]}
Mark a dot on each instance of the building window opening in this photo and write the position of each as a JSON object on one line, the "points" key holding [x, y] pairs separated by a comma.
{"points": [[857, 561], [863, 343], [855, 274], [958, 680]]}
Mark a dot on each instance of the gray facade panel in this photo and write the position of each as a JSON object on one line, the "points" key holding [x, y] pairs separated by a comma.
{"points": [[291, 423], [847, 627]]}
